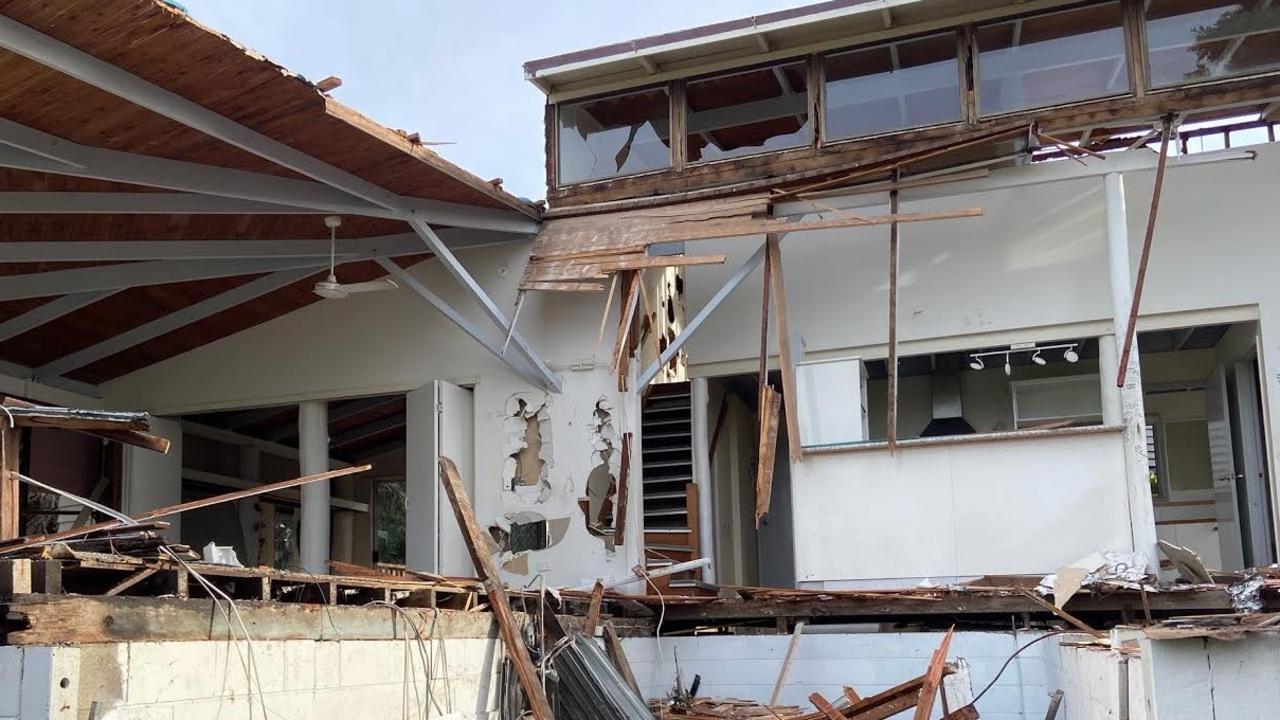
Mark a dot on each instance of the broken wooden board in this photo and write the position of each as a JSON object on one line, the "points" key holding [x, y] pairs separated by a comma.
{"points": [[770, 410], [933, 677], [477, 541]]}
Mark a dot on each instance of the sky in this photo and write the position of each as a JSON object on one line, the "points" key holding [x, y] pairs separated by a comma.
{"points": [[453, 71]]}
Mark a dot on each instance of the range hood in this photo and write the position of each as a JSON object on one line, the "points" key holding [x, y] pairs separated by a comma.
{"points": [[948, 410]]}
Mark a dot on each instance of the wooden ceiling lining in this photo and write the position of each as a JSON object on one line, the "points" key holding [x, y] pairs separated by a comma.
{"points": [[27, 181], [393, 406], [121, 312], [73, 110]]}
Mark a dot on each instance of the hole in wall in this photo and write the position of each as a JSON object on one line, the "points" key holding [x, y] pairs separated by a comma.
{"points": [[528, 446], [602, 482]]}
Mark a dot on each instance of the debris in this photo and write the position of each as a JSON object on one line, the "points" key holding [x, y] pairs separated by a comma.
{"points": [[1246, 595], [221, 555], [1187, 562], [329, 84], [589, 687], [1112, 566]]}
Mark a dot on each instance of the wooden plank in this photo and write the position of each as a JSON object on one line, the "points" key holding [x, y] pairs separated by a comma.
{"points": [[623, 492], [563, 286], [132, 580], [891, 401], [968, 712], [62, 418], [933, 677], [621, 344], [785, 359], [660, 261], [764, 333], [128, 437], [851, 695], [825, 707], [1141, 280], [183, 507], [1075, 621], [608, 303], [10, 497], [618, 656], [726, 229], [477, 542], [593, 610], [771, 406], [785, 668]]}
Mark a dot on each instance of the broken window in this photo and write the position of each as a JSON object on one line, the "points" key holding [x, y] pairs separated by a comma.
{"points": [[894, 86], [1193, 40], [611, 136], [742, 113], [1051, 59]]}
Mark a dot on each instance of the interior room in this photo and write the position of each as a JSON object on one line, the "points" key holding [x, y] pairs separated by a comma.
{"points": [[233, 449]]}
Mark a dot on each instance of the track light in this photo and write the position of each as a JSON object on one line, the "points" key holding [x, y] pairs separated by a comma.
{"points": [[1037, 359], [1008, 369], [977, 363], [1071, 355]]}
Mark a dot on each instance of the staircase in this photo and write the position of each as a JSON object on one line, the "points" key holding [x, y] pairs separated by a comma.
{"points": [[670, 496]]}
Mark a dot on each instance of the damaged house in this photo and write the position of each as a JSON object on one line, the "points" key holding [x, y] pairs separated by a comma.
{"points": [[842, 327]]}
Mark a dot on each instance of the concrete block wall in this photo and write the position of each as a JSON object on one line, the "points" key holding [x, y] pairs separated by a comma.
{"points": [[746, 666], [297, 680]]}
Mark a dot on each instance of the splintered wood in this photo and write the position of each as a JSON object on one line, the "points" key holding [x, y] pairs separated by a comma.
{"points": [[770, 409]]}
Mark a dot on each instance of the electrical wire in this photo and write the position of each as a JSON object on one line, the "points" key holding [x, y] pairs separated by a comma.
{"points": [[248, 663], [1015, 654]]}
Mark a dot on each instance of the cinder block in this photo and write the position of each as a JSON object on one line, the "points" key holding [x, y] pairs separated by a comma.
{"points": [[983, 645], [141, 712], [922, 645], [328, 664], [299, 665], [371, 662]]}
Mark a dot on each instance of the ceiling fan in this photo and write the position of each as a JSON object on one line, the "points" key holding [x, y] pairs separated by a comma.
{"points": [[330, 288]]}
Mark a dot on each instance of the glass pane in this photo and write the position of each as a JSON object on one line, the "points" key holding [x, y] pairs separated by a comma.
{"points": [[1052, 59], [389, 516], [892, 87], [747, 112], [619, 135], [1190, 40]]}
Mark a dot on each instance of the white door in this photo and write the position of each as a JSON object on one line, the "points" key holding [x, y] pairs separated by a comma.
{"points": [[455, 439], [439, 421], [1251, 455], [1222, 461]]}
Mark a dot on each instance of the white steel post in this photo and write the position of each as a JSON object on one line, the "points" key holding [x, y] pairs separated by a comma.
{"points": [[1132, 412], [313, 457]]}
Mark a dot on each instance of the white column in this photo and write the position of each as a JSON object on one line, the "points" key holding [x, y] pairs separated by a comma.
{"points": [[154, 480], [702, 475], [422, 491], [313, 457], [1132, 413]]}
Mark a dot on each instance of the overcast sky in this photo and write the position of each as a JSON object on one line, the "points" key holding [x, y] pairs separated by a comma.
{"points": [[452, 71]]}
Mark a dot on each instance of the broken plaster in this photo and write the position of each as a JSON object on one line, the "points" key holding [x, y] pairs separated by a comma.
{"points": [[602, 482], [526, 471]]}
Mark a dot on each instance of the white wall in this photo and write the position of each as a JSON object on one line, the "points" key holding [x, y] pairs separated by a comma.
{"points": [[153, 480], [746, 666], [957, 511]]}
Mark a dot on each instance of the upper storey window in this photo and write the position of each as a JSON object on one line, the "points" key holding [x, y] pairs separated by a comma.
{"points": [[890, 87], [744, 113], [616, 135], [1194, 40], [1052, 59]]}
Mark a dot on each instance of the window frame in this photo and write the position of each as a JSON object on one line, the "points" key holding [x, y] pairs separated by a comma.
{"points": [[1125, 18], [554, 133], [1139, 18], [961, 74], [813, 107]]}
